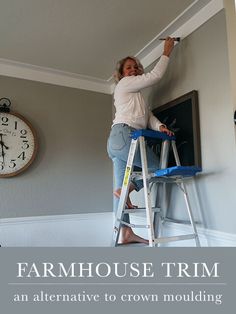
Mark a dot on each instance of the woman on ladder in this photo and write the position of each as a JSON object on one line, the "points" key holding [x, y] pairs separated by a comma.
{"points": [[133, 113]]}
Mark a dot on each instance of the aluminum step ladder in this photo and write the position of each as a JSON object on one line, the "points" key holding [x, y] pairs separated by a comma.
{"points": [[173, 175]]}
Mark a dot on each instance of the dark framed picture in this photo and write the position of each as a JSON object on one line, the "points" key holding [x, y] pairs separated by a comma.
{"points": [[181, 115]]}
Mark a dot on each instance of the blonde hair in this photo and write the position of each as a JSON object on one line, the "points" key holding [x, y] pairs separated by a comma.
{"points": [[118, 74]]}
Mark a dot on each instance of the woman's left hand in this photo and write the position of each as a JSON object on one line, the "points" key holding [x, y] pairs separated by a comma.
{"points": [[164, 129]]}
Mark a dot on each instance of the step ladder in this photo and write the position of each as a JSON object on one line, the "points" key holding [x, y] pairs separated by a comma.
{"points": [[173, 175]]}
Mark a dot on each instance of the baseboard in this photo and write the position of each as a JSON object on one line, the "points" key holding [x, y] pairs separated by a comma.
{"points": [[91, 230], [207, 237], [83, 230]]}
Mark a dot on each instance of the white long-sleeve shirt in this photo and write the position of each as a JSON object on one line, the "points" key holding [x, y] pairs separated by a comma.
{"points": [[130, 106]]}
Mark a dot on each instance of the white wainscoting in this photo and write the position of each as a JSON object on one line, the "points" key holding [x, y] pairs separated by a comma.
{"points": [[90, 230], [207, 237], [82, 230]]}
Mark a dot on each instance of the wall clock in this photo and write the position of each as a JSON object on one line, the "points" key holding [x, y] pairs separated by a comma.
{"points": [[18, 141]]}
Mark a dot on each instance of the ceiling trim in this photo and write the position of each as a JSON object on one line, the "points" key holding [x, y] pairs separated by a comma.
{"points": [[187, 22], [182, 30], [48, 75], [147, 56]]}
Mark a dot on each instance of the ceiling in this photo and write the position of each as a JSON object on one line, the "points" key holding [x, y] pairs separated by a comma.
{"points": [[85, 38]]}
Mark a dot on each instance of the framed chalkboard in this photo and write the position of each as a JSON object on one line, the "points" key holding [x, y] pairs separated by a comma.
{"points": [[181, 115]]}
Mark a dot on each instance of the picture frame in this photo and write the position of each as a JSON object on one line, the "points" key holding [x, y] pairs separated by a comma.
{"points": [[181, 115]]}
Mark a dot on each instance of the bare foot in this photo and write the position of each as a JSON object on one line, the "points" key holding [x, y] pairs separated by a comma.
{"points": [[128, 236], [128, 202]]}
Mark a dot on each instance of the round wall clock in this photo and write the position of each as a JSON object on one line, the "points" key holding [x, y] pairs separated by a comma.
{"points": [[18, 143]]}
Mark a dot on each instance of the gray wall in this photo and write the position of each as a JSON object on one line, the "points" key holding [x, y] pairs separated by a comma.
{"points": [[71, 173], [200, 62]]}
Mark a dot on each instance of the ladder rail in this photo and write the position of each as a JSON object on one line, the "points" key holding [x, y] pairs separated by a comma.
{"points": [[124, 192], [147, 192], [186, 197]]}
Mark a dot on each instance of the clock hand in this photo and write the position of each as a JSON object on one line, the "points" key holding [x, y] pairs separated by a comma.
{"points": [[2, 143], [2, 148], [5, 146]]}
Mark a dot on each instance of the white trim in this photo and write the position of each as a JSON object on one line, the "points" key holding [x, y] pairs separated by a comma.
{"points": [[185, 29], [207, 237], [186, 23], [93, 229], [52, 218], [80, 230], [153, 50], [52, 76], [166, 30]]}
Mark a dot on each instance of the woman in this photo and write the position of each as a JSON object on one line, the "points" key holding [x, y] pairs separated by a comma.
{"points": [[131, 114]]}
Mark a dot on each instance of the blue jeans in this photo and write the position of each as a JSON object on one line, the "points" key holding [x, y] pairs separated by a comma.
{"points": [[118, 145]]}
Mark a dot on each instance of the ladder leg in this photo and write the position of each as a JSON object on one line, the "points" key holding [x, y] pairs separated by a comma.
{"points": [[157, 223], [124, 192], [183, 188], [147, 193], [157, 220], [176, 155], [161, 201]]}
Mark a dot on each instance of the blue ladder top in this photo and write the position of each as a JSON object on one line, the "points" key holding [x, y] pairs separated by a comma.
{"points": [[183, 171], [150, 133]]}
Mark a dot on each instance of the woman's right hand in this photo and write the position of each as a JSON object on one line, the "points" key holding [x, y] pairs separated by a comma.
{"points": [[164, 129], [168, 46]]}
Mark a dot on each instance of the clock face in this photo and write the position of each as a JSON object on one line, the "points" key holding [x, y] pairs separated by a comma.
{"points": [[17, 144]]}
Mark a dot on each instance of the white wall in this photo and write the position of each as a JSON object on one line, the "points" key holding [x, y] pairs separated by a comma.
{"points": [[230, 11]]}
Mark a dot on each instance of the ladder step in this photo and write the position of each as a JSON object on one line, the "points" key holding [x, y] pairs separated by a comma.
{"points": [[185, 171], [140, 210], [175, 238], [134, 225], [180, 221]]}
